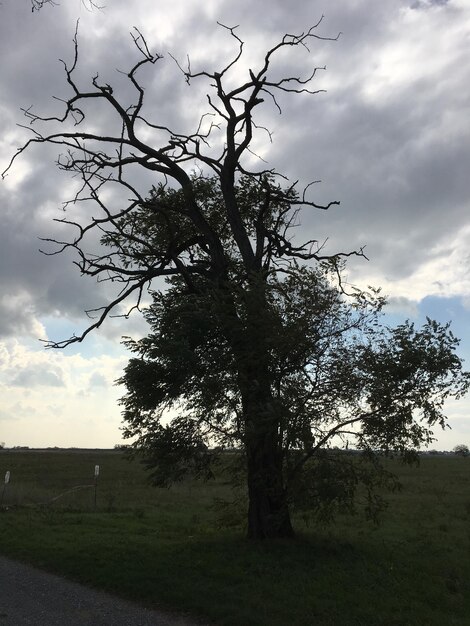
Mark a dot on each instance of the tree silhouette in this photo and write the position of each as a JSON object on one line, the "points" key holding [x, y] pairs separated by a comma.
{"points": [[254, 340], [462, 450]]}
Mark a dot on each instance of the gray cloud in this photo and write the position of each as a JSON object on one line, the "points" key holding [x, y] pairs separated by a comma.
{"points": [[34, 377], [426, 4], [402, 306], [97, 380], [396, 157]]}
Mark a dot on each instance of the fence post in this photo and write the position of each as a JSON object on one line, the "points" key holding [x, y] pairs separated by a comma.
{"points": [[97, 473], [7, 480]]}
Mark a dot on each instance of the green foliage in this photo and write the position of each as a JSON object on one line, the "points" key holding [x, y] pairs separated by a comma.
{"points": [[161, 228], [329, 486], [172, 452], [332, 374]]}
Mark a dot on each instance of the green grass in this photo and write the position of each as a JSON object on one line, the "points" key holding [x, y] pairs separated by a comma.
{"points": [[164, 547]]}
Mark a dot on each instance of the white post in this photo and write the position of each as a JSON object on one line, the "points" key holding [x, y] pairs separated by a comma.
{"points": [[7, 480], [97, 473]]}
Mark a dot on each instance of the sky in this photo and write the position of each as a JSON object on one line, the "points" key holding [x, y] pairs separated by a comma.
{"points": [[388, 136]]}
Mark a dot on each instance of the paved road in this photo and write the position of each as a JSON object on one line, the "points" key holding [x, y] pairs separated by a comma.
{"points": [[30, 597]]}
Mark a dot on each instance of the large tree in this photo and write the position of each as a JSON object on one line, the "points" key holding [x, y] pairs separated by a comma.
{"points": [[255, 343]]}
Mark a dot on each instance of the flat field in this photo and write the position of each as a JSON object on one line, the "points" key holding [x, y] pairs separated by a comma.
{"points": [[167, 548]]}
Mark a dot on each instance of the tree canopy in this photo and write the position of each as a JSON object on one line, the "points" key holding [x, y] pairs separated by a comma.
{"points": [[337, 376]]}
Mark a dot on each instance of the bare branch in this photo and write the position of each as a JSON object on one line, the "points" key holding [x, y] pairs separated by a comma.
{"points": [[105, 162], [36, 5]]}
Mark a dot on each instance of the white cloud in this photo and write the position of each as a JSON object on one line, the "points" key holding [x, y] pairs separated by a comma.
{"points": [[446, 273], [47, 396]]}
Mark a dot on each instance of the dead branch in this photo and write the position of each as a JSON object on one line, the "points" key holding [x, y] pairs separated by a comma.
{"points": [[105, 161]]}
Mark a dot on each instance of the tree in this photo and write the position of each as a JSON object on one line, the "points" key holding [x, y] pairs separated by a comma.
{"points": [[462, 450], [255, 342]]}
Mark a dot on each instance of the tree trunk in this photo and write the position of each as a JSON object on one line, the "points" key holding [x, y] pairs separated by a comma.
{"points": [[268, 511]]}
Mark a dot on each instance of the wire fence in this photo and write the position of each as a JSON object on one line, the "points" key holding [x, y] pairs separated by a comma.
{"points": [[71, 492]]}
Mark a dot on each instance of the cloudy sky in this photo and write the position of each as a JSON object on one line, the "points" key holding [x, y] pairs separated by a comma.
{"points": [[390, 139]]}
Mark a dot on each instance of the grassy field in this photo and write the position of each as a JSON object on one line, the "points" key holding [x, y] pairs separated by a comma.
{"points": [[166, 548]]}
